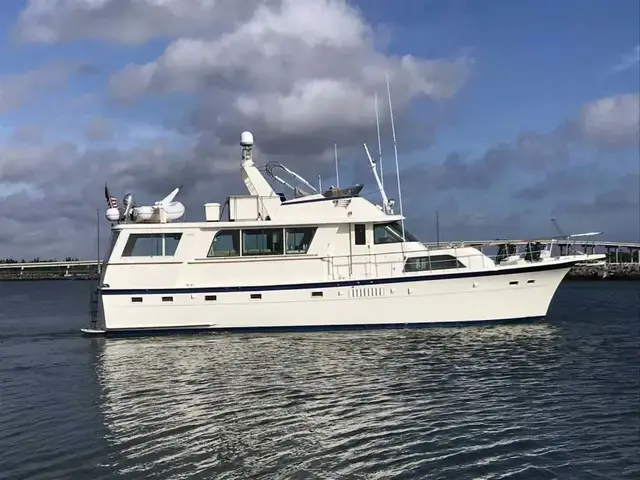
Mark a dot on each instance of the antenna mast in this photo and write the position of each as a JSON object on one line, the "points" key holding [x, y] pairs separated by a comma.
{"points": [[375, 99], [395, 153], [386, 204], [335, 154]]}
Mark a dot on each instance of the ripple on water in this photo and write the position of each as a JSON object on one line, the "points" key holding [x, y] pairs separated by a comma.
{"points": [[551, 400]]}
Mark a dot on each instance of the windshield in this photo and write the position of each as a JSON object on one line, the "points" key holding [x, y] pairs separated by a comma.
{"points": [[391, 233]]}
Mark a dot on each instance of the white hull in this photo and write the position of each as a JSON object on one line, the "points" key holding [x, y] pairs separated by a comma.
{"points": [[314, 261], [467, 298]]}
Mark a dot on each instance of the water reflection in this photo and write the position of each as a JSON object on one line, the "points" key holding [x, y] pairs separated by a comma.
{"points": [[368, 403]]}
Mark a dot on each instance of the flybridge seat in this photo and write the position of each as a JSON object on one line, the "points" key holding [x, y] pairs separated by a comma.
{"points": [[343, 192], [333, 192]]}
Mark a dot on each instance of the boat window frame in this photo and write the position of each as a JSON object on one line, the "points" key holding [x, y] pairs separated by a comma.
{"points": [[426, 263], [284, 231], [132, 238], [395, 230], [304, 251], [263, 252], [211, 253]]}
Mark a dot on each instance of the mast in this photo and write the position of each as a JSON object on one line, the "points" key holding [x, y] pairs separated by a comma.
{"points": [[98, 238], [335, 154], [385, 201], [375, 99], [395, 153]]}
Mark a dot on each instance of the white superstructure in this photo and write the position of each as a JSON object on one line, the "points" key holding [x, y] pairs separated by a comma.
{"points": [[315, 260]]}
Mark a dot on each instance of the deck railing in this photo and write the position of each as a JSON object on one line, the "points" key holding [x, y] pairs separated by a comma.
{"points": [[373, 265]]}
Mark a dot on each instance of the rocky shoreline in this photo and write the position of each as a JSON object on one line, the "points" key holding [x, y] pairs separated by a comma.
{"points": [[619, 271], [611, 271]]}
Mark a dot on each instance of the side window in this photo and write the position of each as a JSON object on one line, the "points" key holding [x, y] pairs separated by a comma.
{"points": [[226, 243], [417, 264], [433, 262], [299, 239], [264, 241], [384, 234], [151, 244], [171, 241], [360, 234]]}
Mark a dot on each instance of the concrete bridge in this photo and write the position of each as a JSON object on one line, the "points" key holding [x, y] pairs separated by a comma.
{"points": [[49, 270], [618, 253]]}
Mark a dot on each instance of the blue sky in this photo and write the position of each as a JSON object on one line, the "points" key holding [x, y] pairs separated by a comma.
{"points": [[534, 67], [536, 62]]}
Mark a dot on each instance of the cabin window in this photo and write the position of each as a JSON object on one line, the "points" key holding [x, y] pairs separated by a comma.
{"points": [[360, 234], [264, 241], [391, 233], [299, 239], [226, 243], [433, 262], [151, 244], [167, 299], [256, 296], [211, 298], [136, 299]]}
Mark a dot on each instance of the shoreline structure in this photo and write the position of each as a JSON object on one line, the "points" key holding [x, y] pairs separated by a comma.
{"points": [[607, 271]]}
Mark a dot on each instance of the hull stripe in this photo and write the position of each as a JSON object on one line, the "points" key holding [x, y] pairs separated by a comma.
{"points": [[337, 283], [310, 328]]}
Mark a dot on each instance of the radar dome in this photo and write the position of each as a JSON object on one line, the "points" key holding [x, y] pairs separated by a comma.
{"points": [[112, 214], [246, 139]]}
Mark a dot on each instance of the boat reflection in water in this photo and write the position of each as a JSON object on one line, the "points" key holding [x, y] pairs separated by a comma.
{"points": [[236, 406]]}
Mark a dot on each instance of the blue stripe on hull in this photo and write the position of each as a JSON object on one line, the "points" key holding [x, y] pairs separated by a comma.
{"points": [[316, 328], [334, 284]]}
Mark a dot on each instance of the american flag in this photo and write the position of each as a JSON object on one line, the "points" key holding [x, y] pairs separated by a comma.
{"points": [[111, 200]]}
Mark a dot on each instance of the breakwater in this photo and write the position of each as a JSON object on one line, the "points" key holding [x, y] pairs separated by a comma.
{"points": [[610, 271]]}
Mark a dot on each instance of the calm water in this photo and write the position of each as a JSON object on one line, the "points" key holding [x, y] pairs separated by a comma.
{"points": [[551, 400]]}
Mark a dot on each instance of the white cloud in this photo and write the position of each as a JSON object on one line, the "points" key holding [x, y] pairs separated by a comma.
{"points": [[628, 61], [125, 21], [300, 73], [293, 67], [612, 121]]}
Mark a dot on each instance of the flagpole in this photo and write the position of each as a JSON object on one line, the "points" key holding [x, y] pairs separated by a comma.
{"points": [[98, 238]]}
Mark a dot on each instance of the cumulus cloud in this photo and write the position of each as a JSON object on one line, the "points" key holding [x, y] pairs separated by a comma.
{"points": [[306, 68], [125, 21], [612, 122], [301, 74]]}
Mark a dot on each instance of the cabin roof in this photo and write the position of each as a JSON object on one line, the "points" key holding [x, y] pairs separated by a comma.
{"points": [[298, 222]]}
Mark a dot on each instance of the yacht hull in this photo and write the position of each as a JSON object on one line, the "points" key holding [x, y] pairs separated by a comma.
{"points": [[518, 294]]}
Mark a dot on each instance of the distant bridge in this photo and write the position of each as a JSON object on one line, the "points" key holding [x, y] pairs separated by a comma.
{"points": [[617, 252], [43, 265]]}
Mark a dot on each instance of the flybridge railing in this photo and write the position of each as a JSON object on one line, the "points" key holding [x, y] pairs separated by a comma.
{"points": [[400, 262], [442, 259]]}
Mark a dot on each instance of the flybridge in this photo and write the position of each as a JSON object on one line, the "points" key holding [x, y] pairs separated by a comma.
{"points": [[262, 203]]}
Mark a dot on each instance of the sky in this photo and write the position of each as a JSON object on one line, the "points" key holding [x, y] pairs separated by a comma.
{"points": [[507, 114]]}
